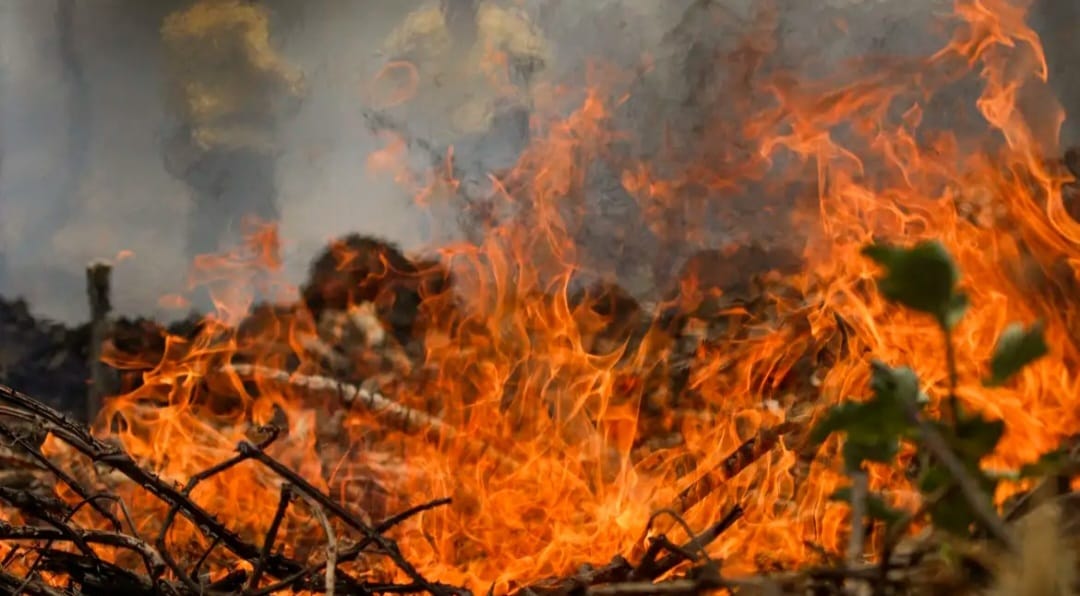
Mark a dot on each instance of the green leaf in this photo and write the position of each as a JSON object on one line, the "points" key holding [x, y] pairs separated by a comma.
{"points": [[951, 512], [858, 449], [1016, 348], [976, 437], [869, 435], [876, 507], [922, 277], [838, 419], [955, 310], [899, 386], [873, 428]]}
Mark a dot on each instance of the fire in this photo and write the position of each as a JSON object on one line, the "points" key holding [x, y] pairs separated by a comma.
{"points": [[557, 447]]}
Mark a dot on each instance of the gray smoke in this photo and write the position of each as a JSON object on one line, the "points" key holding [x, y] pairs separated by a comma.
{"points": [[81, 119]]}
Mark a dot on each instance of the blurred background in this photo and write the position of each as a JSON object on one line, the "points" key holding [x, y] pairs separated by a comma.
{"points": [[83, 120]]}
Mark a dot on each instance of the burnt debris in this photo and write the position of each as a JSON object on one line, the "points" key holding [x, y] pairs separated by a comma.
{"points": [[358, 269], [44, 357]]}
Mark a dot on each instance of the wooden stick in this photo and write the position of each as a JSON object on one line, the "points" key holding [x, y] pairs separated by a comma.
{"points": [[101, 377], [744, 455], [390, 412]]}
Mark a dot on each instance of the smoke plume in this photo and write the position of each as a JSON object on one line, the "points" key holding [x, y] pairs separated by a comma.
{"points": [[82, 118]]}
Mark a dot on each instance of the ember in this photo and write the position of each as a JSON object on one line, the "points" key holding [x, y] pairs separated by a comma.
{"points": [[519, 414]]}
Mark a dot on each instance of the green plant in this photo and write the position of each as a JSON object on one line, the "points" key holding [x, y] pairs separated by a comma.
{"points": [[955, 489]]}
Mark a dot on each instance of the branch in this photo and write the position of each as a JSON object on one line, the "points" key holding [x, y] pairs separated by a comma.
{"points": [[155, 564], [304, 487], [975, 496], [390, 412], [70, 432]]}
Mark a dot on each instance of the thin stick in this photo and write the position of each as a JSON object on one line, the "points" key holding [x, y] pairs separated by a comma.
{"points": [[954, 376], [859, 493], [15, 585], [353, 552], [744, 455], [679, 587], [305, 487], [392, 413], [271, 535], [206, 474], [63, 476], [896, 530], [48, 419], [974, 495], [331, 543], [154, 563], [699, 542]]}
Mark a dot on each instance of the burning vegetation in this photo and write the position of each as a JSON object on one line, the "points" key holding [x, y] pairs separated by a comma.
{"points": [[871, 388]]}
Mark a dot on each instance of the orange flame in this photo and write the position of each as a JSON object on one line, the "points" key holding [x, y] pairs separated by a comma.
{"points": [[557, 448]]}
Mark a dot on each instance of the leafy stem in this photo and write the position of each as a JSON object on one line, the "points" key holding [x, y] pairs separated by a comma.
{"points": [[957, 493], [953, 412]]}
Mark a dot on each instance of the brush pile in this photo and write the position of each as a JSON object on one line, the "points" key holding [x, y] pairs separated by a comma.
{"points": [[66, 527]]}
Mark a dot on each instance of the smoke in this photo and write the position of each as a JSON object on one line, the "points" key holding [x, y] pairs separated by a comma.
{"points": [[63, 205], [82, 118]]}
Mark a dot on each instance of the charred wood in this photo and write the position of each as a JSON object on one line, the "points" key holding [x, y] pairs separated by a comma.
{"points": [[360, 269]]}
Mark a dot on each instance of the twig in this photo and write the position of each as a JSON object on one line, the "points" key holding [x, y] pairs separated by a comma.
{"points": [[620, 571], [954, 375], [660, 543], [62, 525], [63, 476], [897, 529], [615, 571], [331, 543], [392, 413], [697, 543], [48, 419], [206, 555], [980, 503], [678, 587], [744, 455], [859, 489], [193, 482], [353, 552], [271, 535], [10, 584], [155, 564], [304, 487]]}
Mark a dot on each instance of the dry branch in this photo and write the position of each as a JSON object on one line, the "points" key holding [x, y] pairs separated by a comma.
{"points": [[744, 455], [390, 412], [95, 575]]}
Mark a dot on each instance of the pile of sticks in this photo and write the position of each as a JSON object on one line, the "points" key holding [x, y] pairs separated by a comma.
{"points": [[51, 554], [58, 554], [23, 418]]}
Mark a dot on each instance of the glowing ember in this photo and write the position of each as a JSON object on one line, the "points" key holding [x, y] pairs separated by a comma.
{"points": [[557, 447]]}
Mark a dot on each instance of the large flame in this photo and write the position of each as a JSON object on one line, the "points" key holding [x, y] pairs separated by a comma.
{"points": [[556, 448]]}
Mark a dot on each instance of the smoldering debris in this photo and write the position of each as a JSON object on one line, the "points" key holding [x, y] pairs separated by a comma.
{"points": [[125, 201]]}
